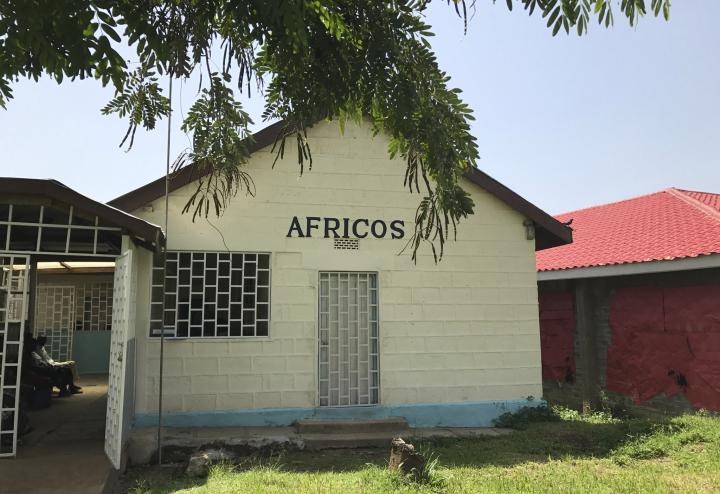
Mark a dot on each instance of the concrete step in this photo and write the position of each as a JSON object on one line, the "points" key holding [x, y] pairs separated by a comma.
{"points": [[315, 442], [390, 424]]}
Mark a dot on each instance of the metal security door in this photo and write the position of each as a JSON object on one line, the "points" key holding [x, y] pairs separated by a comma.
{"points": [[348, 339], [13, 309], [55, 319], [115, 421]]}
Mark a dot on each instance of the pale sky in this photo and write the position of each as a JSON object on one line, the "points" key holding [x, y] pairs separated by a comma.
{"points": [[566, 122]]}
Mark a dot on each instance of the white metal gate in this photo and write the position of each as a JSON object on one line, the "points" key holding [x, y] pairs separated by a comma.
{"points": [[13, 309], [55, 319], [122, 325], [348, 339]]}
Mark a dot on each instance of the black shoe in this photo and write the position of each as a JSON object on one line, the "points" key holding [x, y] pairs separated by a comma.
{"points": [[75, 391]]}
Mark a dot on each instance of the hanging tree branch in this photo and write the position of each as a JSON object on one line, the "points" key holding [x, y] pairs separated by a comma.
{"points": [[340, 59]]}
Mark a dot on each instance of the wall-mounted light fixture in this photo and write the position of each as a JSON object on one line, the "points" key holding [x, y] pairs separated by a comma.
{"points": [[529, 229]]}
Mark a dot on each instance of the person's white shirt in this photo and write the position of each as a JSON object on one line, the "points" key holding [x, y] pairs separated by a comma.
{"points": [[45, 356]]}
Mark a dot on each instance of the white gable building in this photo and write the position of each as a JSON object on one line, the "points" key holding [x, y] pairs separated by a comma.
{"points": [[299, 302]]}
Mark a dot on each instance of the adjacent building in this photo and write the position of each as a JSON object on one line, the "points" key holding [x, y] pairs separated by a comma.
{"points": [[630, 311]]}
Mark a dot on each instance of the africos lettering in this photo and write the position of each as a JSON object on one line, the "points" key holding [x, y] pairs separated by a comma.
{"points": [[345, 228]]}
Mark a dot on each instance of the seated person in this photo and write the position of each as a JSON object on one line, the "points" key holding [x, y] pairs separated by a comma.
{"points": [[33, 383], [70, 364], [60, 377]]}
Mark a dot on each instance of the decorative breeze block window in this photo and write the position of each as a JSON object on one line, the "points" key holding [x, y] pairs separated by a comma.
{"points": [[212, 295], [93, 306], [346, 244], [54, 319]]}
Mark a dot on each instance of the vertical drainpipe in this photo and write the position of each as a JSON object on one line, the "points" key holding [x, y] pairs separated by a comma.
{"points": [[163, 258]]}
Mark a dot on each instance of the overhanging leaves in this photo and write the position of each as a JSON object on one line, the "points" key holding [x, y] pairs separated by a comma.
{"points": [[322, 59]]}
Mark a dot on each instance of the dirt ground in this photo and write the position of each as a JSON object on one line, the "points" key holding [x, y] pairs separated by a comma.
{"points": [[65, 451]]}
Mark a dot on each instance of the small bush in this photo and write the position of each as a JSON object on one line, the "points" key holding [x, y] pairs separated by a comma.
{"points": [[525, 416], [520, 419], [571, 415]]}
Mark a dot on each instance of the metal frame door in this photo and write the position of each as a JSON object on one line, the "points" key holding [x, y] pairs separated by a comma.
{"points": [[348, 353], [14, 271], [122, 323], [55, 319]]}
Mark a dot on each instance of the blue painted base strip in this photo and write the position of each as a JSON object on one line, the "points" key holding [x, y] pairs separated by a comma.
{"points": [[463, 414]]}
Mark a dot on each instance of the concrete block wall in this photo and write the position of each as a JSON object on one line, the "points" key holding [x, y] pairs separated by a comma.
{"points": [[590, 387], [465, 329]]}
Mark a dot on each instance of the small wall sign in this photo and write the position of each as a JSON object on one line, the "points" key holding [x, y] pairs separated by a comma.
{"points": [[345, 228]]}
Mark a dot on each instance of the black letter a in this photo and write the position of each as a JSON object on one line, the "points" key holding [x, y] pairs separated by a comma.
{"points": [[295, 227]]}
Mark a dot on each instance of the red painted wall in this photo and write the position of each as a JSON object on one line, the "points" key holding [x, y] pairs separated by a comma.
{"points": [[666, 340], [557, 332]]}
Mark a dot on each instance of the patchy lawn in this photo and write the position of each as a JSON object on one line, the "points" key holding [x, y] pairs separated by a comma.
{"points": [[596, 454]]}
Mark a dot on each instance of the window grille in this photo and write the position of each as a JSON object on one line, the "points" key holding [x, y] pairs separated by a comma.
{"points": [[54, 319], [212, 295], [93, 306], [348, 339]]}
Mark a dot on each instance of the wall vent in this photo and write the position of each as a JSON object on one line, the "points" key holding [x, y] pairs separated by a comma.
{"points": [[346, 243]]}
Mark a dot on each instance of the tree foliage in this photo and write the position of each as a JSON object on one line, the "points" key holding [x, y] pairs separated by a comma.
{"points": [[322, 59]]}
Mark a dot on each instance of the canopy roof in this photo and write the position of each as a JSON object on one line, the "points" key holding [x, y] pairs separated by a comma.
{"points": [[44, 216]]}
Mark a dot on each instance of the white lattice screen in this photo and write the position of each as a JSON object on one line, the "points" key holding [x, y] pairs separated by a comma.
{"points": [[348, 339], [54, 311], [121, 320], [13, 301], [93, 306]]}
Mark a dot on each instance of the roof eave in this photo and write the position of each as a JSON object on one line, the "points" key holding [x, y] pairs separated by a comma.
{"points": [[633, 268], [549, 231], [144, 195]]}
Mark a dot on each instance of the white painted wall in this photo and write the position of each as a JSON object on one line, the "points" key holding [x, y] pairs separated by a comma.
{"points": [[463, 330]]}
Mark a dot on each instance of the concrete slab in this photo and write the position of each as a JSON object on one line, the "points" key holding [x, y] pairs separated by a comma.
{"points": [[390, 424], [179, 442], [65, 452]]}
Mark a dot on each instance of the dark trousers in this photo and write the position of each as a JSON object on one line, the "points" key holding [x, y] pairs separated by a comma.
{"points": [[60, 377]]}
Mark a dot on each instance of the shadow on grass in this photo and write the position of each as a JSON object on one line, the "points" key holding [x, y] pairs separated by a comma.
{"points": [[540, 442]]}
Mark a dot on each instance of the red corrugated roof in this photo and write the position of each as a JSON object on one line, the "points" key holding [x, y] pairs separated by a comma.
{"points": [[666, 225], [712, 200]]}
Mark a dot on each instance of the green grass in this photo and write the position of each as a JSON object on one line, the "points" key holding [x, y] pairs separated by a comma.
{"points": [[568, 453]]}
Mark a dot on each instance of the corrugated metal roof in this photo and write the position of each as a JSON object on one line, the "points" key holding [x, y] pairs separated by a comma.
{"points": [[665, 225]]}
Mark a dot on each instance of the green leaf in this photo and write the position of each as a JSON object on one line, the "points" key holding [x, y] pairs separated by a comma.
{"points": [[110, 32], [553, 17], [106, 18], [90, 29]]}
